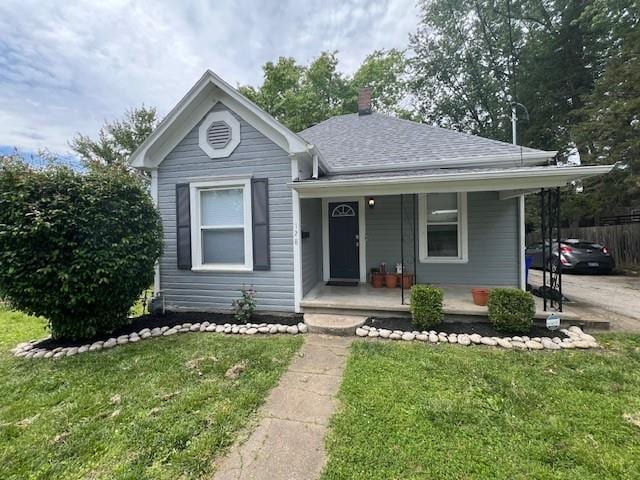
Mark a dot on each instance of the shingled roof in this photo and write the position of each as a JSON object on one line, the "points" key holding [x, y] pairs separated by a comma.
{"points": [[377, 142]]}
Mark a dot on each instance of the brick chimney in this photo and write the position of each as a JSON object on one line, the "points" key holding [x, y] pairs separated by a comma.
{"points": [[364, 101]]}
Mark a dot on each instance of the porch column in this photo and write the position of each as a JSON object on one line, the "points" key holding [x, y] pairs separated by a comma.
{"points": [[297, 251]]}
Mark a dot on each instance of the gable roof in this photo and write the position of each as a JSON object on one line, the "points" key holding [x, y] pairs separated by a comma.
{"points": [[207, 91], [375, 142]]}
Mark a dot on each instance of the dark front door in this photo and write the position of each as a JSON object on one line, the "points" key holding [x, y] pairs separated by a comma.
{"points": [[344, 244]]}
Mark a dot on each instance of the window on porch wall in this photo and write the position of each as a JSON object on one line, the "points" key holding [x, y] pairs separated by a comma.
{"points": [[443, 227]]}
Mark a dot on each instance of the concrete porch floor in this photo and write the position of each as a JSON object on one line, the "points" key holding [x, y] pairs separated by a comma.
{"points": [[364, 299]]}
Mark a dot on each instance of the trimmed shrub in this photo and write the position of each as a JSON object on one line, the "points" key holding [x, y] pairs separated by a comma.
{"points": [[426, 306], [511, 310], [77, 248], [244, 306]]}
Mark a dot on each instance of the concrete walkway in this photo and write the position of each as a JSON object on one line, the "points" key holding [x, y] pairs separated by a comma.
{"points": [[288, 442]]}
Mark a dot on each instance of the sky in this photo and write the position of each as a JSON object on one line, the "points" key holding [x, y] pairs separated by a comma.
{"points": [[67, 66]]}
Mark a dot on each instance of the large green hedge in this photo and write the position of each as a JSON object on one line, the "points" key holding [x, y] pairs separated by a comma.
{"points": [[77, 248]]}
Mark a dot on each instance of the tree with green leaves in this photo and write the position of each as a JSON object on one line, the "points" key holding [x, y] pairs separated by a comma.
{"points": [[117, 139], [302, 95]]}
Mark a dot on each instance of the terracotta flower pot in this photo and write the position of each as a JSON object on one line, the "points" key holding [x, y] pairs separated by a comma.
{"points": [[480, 296], [377, 280], [391, 280], [407, 281]]}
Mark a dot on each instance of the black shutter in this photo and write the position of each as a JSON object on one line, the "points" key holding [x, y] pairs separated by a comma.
{"points": [[183, 226], [260, 216]]}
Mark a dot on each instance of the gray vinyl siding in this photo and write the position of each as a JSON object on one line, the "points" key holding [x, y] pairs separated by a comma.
{"points": [[311, 220], [493, 242], [256, 156]]}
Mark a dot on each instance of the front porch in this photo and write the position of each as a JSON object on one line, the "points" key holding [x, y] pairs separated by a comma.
{"points": [[365, 300]]}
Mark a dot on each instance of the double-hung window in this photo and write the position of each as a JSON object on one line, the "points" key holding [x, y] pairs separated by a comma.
{"points": [[443, 227], [221, 225]]}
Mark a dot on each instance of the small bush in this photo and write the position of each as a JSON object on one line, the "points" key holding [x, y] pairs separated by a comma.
{"points": [[511, 310], [244, 307], [77, 248], [426, 306]]}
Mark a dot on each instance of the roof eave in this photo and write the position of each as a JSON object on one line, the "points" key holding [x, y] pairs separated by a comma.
{"points": [[521, 178]]}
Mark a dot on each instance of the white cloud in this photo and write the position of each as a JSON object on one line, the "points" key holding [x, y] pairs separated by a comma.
{"points": [[67, 66]]}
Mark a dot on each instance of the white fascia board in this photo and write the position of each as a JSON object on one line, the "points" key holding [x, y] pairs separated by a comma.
{"points": [[209, 89], [525, 159], [523, 178]]}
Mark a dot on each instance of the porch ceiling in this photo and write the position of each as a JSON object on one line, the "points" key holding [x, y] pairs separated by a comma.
{"points": [[524, 179]]}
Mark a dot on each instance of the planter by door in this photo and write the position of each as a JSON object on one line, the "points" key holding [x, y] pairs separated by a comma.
{"points": [[344, 241], [391, 280], [480, 296], [377, 280]]}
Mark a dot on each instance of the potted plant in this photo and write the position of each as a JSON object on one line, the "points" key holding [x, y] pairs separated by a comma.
{"points": [[391, 280], [377, 280], [480, 296]]}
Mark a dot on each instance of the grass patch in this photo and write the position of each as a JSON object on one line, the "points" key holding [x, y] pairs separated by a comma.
{"points": [[157, 409], [414, 411]]}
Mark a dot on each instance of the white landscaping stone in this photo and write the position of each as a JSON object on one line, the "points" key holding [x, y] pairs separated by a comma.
{"points": [[164, 329], [84, 348], [504, 343], [518, 344], [464, 339], [366, 327], [58, 354], [235, 329], [50, 354], [273, 329], [143, 331], [373, 333], [282, 329], [303, 328], [39, 354], [488, 341], [266, 329], [423, 337], [220, 329], [293, 330], [171, 331], [243, 330], [556, 340], [550, 344], [475, 338], [156, 332], [567, 345], [433, 338], [588, 338], [72, 351], [408, 336], [533, 345], [203, 327], [395, 336], [361, 332], [145, 335], [384, 333], [210, 328], [252, 331], [95, 347], [227, 329], [575, 329]]}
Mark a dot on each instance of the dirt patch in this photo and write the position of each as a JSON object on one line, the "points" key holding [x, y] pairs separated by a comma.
{"points": [[169, 319], [484, 329]]}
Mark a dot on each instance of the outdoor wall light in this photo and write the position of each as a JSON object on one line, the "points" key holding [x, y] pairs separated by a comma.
{"points": [[372, 202]]}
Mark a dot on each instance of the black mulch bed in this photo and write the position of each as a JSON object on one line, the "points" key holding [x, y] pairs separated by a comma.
{"points": [[170, 319], [484, 329]]}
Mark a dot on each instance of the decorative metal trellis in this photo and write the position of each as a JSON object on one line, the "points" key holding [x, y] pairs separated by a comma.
{"points": [[408, 241], [551, 249]]}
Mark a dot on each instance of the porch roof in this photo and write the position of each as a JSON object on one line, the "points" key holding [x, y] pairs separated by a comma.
{"points": [[509, 181]]}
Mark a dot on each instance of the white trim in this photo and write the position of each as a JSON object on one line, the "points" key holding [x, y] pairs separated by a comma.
{"points": [[463, 232], [233, 123], [362, 236], [196, 238], [208, 90], [154, 197], [521, 242], [297, 252], [475, 181], [538, 157]]}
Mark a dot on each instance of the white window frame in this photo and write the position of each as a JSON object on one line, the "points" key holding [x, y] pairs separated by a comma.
{"points": [[196, 228], [463, 233]]}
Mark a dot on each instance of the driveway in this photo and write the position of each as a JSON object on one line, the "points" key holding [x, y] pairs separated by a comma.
{"points": [[612, 297]]}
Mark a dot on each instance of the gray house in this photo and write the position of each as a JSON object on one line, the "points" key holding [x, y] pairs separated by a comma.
{"points": [[246, 201]]}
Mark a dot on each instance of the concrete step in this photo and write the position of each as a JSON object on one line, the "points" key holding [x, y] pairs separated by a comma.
{"points": [[342, 325]]}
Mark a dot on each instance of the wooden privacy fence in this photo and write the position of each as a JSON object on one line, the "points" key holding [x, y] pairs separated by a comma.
{"points": [[623, 241]]}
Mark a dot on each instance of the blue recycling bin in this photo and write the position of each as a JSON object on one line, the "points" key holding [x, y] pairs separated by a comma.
{"points": [[528, 260]]}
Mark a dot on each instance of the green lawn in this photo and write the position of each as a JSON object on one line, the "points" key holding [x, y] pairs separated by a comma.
{"points": [[415, 411], [157, 409]]}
